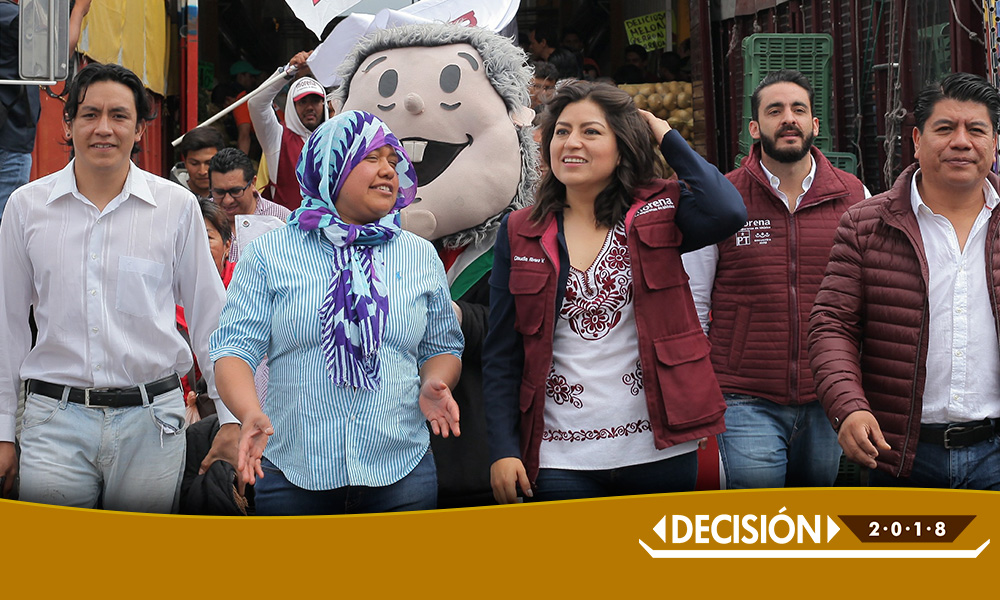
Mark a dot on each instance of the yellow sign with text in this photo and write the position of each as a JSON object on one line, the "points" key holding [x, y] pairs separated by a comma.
{"points": [[649, 31], [676, 544]]}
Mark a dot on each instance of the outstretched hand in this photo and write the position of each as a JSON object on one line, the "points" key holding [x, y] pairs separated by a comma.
{"points": [[658, 126], [439, 407], [253, 438]]}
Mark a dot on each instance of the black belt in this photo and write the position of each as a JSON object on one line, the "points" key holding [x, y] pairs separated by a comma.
{"points": [[959, 435], [105, 397]]}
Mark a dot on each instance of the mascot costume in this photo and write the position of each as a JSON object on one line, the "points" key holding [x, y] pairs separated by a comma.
{"points": [[457, 98]]}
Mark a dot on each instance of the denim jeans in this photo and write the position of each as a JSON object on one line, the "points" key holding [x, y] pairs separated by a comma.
{"points": [[677, 474], [274, 495], [117, 458], [975, 467], [15, 170], [768, 445]]}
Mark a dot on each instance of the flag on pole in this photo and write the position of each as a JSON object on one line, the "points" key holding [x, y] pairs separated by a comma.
{"points": [[326, 58], [316, 14]]}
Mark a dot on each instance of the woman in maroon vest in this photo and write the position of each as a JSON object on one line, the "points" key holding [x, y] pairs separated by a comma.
{"points": [[597, 378]]}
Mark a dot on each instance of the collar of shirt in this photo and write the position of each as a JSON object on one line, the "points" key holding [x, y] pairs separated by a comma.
{"points": [[135, 185], [806, 183], [989, 194]]}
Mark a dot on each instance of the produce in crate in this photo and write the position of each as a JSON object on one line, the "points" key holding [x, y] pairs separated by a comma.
{"points": [[670, 100]]}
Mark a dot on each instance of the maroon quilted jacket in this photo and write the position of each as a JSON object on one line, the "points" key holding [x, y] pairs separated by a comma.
{"points": [[767, 278], [874, 299]]}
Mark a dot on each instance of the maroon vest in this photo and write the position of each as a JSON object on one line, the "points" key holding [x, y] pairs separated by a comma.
{"points": [[286, 186], [767, 277], [682, 394]]}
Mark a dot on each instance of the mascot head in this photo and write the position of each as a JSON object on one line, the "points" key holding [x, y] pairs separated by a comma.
{"points": [[457, 98]]}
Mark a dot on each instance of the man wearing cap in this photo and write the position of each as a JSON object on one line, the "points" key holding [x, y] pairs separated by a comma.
{"points": [[245, 76], [305, 109]]}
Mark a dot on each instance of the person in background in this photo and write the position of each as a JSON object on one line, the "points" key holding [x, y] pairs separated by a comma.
{"points": [[589, 390], [544, 46], [543, 84], [305, 110], [246, 77], [754, 292], [104, 252], [197, 148], [363, 344], [233, 187], [903, 338]]}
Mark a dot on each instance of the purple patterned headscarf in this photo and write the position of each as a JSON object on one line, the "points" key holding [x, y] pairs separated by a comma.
{"points": [[355, 309]]}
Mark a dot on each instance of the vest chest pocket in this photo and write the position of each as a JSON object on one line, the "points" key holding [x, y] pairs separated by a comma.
{"points": [[691, 394], [659, 254], [527, 288]]}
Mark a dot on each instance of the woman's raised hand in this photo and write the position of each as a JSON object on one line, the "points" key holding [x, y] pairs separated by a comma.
{"points": [[253, 438], [656, 124], [439, 407]]}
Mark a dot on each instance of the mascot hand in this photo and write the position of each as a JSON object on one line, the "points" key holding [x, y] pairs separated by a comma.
{"points": [[420, 222]]}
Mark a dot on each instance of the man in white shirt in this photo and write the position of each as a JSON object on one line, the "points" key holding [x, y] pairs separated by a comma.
{"points": [[903, 337], [104, 252], [759, 285]]}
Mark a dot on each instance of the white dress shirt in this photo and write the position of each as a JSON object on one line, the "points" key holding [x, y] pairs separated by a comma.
{"points": [[104, 285], [963, 354]]}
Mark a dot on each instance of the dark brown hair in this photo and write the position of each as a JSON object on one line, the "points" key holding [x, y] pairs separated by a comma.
{"points": [[635, 150]]}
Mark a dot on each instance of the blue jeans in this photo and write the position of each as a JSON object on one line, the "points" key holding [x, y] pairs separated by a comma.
{"points": [[274, 495], [128, 458], [975, 467], [768, 445], [15, 170], [677, 474]]}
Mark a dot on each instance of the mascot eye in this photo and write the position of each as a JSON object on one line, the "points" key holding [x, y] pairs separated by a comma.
{"points": [[450, 77], [387, 83]]}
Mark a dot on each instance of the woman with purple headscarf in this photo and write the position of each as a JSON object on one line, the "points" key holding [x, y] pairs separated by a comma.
{"points": [[355, 317]]}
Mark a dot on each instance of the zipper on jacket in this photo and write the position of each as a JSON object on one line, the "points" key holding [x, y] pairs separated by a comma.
{"points": [[796, 325], [925, 277]]}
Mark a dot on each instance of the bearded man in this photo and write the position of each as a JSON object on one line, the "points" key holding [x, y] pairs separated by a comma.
{"points": [[754, 292]]}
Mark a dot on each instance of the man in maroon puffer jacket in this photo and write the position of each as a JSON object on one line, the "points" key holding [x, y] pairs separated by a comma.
{"points": [[904, 334], [760, 286]]}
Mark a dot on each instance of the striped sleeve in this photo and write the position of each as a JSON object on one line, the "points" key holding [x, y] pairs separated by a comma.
{"points": [[245, 324], [443, 334]]}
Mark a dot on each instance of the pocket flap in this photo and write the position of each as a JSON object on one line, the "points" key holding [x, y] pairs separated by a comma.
{"points": [[659, 234], [682, 348], [527, 282]]}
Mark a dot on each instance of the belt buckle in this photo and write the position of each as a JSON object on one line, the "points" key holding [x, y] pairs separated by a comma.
{"points": [[947, 436], [86, 398]]}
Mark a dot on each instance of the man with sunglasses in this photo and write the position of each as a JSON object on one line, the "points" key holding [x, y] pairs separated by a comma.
{"points": [[232, 185]]}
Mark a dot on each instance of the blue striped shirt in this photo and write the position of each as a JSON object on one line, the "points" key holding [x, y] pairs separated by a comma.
{"points": [[325, 436]]}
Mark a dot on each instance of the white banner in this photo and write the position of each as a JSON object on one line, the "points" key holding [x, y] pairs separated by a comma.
{"points": [[317, 13], [488, 14]]}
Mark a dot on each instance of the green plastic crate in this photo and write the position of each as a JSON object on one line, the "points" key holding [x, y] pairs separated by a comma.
{"points": [[811, 54], [845, 161]]}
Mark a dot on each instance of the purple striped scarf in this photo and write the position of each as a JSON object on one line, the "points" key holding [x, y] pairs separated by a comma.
{"points": [[355, 309]]}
